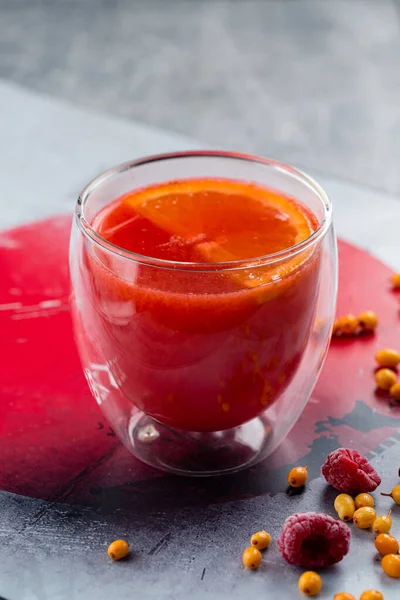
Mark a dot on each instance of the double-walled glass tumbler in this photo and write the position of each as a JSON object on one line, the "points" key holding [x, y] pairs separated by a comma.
{"points": [[195, 377]]}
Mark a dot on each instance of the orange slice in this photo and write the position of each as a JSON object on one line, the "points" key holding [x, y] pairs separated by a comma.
{"points": [[260, 222]]}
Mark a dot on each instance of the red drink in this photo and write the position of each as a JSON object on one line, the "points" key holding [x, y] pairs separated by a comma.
{"points": [[196, 347]]}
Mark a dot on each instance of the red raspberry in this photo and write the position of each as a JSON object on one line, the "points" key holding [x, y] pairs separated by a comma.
{"points": [[349, 472], [313, 540]]}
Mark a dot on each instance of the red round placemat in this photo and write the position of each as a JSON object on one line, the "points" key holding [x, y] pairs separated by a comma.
{"points": [[54, 442]]}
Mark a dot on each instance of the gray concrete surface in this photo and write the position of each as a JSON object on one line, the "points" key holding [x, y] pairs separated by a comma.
{"points": [[312, 82], [60, 550]]}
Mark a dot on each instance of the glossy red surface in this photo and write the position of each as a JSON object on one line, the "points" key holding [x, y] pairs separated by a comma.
{"points": [[54, 443]]}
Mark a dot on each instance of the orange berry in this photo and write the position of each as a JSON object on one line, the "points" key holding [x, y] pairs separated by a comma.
{"points": [[387, 358], [260, 540], [310, 583], [364, 500], [298, 476], [345, 507], [395, 392], [348, 324], [385, 379], [396, 280], [118, 549], [335, 328], [382, 524], [344, 596], [368, 320], [395, 494], [364, 517], [386, 544], [251, 558], [371, 595], [391, 565]]}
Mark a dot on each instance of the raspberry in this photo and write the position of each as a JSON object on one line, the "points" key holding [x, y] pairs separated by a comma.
{"points": [[349, 472], [313, 540]]}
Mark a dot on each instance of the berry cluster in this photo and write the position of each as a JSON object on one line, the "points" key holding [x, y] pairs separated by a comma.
{"points": [[317, 540], [349, 325], [386, 375], [346, 470]]}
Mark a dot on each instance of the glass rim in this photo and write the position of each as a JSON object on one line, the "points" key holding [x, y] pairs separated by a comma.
{"points": [[267, 259]]}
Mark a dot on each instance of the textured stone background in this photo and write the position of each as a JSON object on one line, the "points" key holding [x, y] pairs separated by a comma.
{"points": [[313, 82]]}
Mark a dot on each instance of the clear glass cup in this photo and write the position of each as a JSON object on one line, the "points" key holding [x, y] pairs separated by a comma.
{"points": [[195, 380]]}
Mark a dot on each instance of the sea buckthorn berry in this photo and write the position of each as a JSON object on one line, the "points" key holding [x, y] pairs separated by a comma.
{"points": [[335, 328], [310, 583], [364, 500], [345, 507], [251, 558], [391, 565], [368, 320], [396, 280], [344, 596], [386, 544], [348, 324], [298, 476], [260, 540], [364, 517], [385, 379], [371, 595], [118, 549], [387, 358], [395, 392], [395, 494], [382, 524]]}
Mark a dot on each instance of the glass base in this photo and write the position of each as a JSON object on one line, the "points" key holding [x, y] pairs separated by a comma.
{"points": [[198, 454]]}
